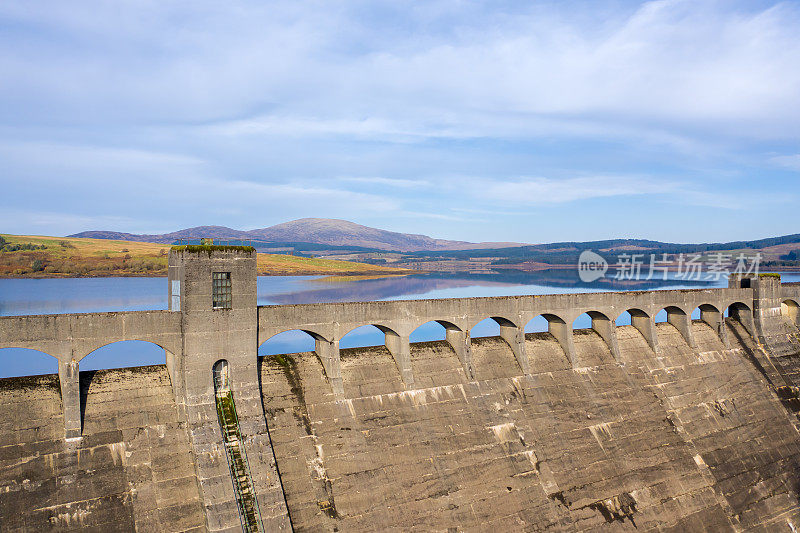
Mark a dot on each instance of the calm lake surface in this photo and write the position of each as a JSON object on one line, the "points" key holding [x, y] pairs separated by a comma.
{"points": [[86, 295]]}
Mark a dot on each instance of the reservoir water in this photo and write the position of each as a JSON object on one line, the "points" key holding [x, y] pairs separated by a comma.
{"points": [[86, 295]]}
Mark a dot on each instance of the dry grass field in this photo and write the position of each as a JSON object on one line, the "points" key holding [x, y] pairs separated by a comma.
{"points": [[75, 257]]}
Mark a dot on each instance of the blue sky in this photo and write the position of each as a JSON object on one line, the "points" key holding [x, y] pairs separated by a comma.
{"points": [[529, 121]]}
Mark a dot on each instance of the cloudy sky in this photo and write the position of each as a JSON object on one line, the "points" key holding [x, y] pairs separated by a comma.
{"points": [[527, 121]]}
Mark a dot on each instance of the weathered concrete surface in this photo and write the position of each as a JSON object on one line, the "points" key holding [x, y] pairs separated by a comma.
{"points": [[210, 335], [328, 323], [684, 439], [686, 425], [71, 337], [132, 470]]}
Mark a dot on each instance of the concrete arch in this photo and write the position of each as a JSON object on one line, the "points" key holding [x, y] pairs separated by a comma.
{"points": [[562, 331], [57, 350], [327, 352], [69, 383], [169, 358], [791, 309], [500, 320], [14, 346], [713, 316], [680, 320], [644, 323], [399, 346], [605, 327], [512, 333], [313, 334], [743, 313], [109, 343], [266, 335], [445, 326], [459, 340]]}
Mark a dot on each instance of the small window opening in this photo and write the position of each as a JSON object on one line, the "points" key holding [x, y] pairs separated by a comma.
{"points": [[221, 293], [175, 295]]}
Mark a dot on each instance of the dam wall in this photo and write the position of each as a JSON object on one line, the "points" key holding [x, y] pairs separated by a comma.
{"points": [[679, 425], [686, 439], [689, 439], [133, 470]]}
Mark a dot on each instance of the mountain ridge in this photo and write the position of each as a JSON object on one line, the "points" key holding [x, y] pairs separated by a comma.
{"points": [[327, 231], [342, 233]]}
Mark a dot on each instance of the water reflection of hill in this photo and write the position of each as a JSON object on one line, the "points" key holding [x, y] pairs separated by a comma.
{"points": [[569, 278], [416, 286]]}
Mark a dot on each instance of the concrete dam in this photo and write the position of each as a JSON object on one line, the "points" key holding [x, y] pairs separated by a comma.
{"points": [[683, 425]]}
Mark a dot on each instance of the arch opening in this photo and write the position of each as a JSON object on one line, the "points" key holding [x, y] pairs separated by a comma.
{"points": [[124, 354], [546, 322], [712, 316], [20, 362], [488, 327], [376, 335], [736, 310], [289, 341], [433, 330], [642, 321], [296, 341], [740, 313], [221, 376], [627, 317], [679, 319], [583, 321], [538, 324], [707, 313], [456, 337], [363, 336], [791, 310], [601, 324], [559, 329]]}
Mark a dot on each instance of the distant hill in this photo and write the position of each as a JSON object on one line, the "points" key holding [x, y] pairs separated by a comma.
{"points": [[217, 232], [324, 236], [327, 231]]}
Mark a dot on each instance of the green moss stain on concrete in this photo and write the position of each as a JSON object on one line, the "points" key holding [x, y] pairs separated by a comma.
{"points": [[237, 461]]}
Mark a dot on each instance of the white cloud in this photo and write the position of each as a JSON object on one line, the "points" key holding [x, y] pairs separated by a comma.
{"points": [[668, 65], [540, 190], [273, 110], [791, 162], [264, 194], [387, 182], [23, 221]]}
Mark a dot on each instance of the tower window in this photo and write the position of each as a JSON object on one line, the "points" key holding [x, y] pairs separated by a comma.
{"points": [[221, 290], [175, 295]]}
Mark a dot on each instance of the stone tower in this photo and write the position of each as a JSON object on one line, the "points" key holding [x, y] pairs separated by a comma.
{"points": [[214, 289]]}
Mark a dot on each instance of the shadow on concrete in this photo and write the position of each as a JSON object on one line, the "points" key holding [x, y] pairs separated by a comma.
{"points": [[85, 380]]}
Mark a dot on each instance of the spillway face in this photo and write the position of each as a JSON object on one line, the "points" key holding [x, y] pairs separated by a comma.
{"points": [[682, 439], [685, 439], [132, 470], [235, 451]]}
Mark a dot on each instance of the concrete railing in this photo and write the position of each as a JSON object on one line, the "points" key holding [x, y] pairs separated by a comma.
{"points": [[71, 337], [329, 323]]}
